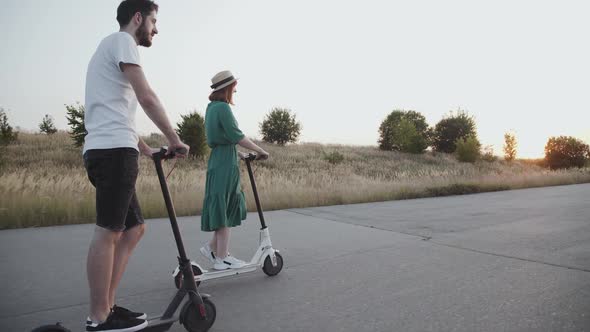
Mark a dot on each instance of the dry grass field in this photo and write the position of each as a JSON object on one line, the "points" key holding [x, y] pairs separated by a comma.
{"points": [[43, 181]]}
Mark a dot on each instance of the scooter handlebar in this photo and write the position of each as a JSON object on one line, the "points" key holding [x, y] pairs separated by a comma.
{"points": [[163, 153]]}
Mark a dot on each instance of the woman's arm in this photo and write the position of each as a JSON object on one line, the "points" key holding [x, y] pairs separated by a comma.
{"points": [[248, 144]]}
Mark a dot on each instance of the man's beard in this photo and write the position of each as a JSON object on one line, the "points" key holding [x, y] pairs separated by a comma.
{"points": [[143, 36]]}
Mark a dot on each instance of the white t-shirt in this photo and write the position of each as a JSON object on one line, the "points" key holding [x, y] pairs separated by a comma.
{"points": [[110, 100]]}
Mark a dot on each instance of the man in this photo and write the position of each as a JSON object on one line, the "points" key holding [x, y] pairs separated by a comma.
{"points": [[115, 82]]}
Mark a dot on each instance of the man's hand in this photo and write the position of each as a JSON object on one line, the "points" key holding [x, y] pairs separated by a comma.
{"points": [[145, 149], [174, 146]]}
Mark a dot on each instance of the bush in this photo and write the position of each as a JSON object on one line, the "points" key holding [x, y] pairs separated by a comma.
{"points": [[7, 134], [192, 132], [468, 149], [75, 116], [155, 140], [405, 131], [566, 152], [46, 126], [509, 146], [488, 154], [333, 157], [280, 126], [450, 129]]}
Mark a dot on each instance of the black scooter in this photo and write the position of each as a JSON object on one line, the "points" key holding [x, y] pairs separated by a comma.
{"points": [[198, 312]]}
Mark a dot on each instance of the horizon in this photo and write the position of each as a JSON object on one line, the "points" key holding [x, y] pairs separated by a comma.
{"points": [[347, 65]]}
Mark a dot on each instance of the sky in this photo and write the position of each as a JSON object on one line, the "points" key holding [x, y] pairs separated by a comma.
{"points": [[340, 66]]}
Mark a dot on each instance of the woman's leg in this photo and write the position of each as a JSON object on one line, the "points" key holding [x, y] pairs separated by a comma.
{"points": [[221, 239]]}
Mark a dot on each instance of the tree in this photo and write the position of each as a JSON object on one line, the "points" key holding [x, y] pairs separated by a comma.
{"points": [[191, 130], [509, 146], [405, 131], [7, 134], [566, 152], [75, 116], [46, 126], [451, 128], [468, 149], [280, 126]]}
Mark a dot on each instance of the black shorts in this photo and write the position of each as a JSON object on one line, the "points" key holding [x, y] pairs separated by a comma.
{"points": [[113, 173]]}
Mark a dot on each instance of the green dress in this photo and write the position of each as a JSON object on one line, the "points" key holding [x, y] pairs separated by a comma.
{"points": [[224, 204]]}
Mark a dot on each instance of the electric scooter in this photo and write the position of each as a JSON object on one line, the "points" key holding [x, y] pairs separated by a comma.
{"points": [[198, 312], [265, 256]]}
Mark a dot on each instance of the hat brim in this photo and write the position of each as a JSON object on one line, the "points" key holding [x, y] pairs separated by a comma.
{"points": [[225, 84]]}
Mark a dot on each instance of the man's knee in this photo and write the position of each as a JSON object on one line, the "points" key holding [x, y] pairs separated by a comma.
{"points": [[136, 232]]}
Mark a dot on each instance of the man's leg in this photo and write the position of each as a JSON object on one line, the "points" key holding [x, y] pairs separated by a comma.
{"points": [[123, 251], [99, 268]]}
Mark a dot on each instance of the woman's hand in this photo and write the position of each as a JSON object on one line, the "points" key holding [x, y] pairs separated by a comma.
{"points": [[242, 155], [262, 155]]}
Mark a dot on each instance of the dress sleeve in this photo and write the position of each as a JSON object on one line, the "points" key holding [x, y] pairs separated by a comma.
{"points": [[230, 125]]}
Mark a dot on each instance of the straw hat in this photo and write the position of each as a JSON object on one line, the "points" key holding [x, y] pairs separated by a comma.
{"points": [[222, 79]]}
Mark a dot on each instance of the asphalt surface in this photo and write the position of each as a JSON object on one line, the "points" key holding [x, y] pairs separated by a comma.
{"points": [[504, 261]]}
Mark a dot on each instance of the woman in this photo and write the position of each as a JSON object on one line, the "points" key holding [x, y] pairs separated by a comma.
{"points": [[224, 205]]}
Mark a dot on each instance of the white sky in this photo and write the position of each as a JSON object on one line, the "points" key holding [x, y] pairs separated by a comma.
{"points": [[341, 66]]}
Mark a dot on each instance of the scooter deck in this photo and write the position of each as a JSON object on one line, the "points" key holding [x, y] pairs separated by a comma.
{"points": [[157, 325], [213, 274]]}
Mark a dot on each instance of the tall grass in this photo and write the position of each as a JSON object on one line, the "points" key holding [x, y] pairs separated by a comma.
{"points": [[43, 181]]}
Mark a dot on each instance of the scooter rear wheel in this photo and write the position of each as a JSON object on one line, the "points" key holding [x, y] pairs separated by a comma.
{"points": [[271, 270], [179, 277], [190, 317]]}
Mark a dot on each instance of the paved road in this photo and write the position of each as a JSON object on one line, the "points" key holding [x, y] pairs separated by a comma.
{"points": [[506, 261]]}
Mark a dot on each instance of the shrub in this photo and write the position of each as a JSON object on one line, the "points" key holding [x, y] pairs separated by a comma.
{"points": [[405, 131], [509, 146], [280, 126], [468, 149], [7, 134], [333, 157], [192, 132], [488, 154], [566, 152], [46, 126], [451, 128], [75, 117]]}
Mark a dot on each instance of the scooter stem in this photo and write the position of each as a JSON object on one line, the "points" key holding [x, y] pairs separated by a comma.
{"points": [[258, 207]]}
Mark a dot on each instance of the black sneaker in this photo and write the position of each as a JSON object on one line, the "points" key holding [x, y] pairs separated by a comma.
{"points": [[126, 313], [116, 324]]}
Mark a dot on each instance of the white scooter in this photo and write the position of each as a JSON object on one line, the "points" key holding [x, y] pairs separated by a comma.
{"points": [[265, 256]]}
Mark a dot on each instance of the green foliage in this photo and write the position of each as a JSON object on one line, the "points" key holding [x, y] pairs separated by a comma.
{"points": [[280, 126], [509, 146], [155, 140], [333, 157], [468, 149], [566, 152], [452, 128], [47, 126], [7, 134], [192, 132], [488, 154], [405, 131], [75, 117]]}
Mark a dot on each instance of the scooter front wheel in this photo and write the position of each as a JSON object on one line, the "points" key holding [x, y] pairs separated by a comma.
{"points": [[190, 316], [270, 269]]}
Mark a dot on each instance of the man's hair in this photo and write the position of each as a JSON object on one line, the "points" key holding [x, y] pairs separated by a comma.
{"points": [[225, 95], [128, 8]]}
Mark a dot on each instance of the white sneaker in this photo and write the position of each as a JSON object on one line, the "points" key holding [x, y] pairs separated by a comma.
{"points": [[207, 252], [228, 262]]}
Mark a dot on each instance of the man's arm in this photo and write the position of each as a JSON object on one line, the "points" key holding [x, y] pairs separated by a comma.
{"points": [[151, 104]]}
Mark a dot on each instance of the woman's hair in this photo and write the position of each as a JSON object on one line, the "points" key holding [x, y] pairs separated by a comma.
{"points": [[225, 95]]}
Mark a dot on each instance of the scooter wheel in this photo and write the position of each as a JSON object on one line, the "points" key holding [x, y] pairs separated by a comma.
{"points": [[271, 270], [179, 277], [191, 318]]}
